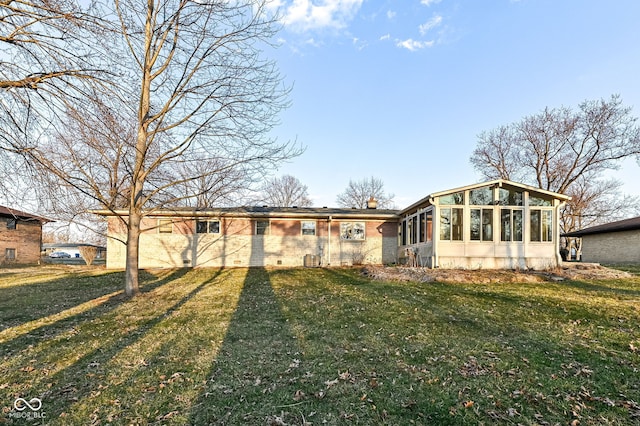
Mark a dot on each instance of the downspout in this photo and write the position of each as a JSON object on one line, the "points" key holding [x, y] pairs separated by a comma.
{"points": [[329, 242], [557, 231], [435, 237]]}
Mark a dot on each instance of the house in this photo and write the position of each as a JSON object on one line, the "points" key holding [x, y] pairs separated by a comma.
{"points": [[490, 225], [258, 236], [20, 236], [496, 224], [73, 249], [614, 242]]}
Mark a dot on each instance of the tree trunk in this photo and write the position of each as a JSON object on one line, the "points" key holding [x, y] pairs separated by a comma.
{"points": [[131, 285]]}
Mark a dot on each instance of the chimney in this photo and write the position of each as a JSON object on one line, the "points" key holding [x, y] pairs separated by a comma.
{"points": [[372, 203]]}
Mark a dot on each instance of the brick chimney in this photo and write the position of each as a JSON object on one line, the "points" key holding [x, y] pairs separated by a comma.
{"points": [[372, 203]]}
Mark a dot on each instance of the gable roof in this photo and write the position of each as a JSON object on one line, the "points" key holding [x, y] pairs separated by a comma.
{"points": [[17, 214], [618, 226], [497, 182]]}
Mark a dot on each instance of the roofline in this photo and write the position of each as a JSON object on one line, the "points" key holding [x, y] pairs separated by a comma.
{"points": [[498, 182], [22, 215], [212, 213], [630, 224]]}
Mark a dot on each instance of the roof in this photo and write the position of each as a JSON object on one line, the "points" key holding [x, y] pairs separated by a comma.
{"points": [[9, 212], [497, 182], [266, 212], [618, 226]]}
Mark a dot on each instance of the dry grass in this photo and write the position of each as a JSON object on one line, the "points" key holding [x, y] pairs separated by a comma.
{"points": [[317, 346]]}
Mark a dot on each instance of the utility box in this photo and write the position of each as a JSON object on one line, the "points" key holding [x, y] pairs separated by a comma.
{"points": [[311, 261]]}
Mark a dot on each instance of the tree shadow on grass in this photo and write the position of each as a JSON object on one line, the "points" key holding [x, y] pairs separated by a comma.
{"points": [[257, 366], [60, 305], [91, 338]]}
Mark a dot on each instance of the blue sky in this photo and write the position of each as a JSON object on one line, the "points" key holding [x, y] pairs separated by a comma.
{"points": [[400, 89]]}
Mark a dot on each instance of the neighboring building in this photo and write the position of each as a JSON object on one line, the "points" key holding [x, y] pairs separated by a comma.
{"points": [[615, 242], [20, 236], [73, 249], [490, 225], [259, 236]]}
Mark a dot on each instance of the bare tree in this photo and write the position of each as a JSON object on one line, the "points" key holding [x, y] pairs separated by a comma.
{"points": [[185, 122], [358, 193], [567, 151], [285, 191], [49, 59]]}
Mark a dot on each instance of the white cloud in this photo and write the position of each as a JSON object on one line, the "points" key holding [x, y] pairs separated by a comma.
{"points": [[431, 23], [391, 14], [385, 37], [304, 15], [413, 45], [429, 2]]}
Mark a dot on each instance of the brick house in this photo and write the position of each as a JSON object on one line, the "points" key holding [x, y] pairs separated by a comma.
{"points": [[20, 236], [614, 242], [258, 236], [493, 225]]}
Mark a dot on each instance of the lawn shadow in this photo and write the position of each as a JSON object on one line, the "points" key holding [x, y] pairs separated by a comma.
{"points": [[86, 375], [257, 364]]}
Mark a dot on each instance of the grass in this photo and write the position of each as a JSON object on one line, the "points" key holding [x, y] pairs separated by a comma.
{"points": [[316, 346]]}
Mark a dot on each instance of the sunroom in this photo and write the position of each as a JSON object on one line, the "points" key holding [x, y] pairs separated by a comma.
{"points": [[491, 225]]}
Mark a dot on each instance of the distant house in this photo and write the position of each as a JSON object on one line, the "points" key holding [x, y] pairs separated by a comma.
{"points": [[20, 236], [614, 242], [73, 249], [490, 225], [493, 225]]}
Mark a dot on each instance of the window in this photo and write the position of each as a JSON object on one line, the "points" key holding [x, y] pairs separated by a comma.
{"points": [[451, 224], [541, 223], [352, 231], [510, 197], [165, 226], [510, 225], [481, 224], [426, 226], [308, 227], [262, 227], [535, 201], [455, 199], [208, 227], [12, 223], [481, 197], [414, 229], [10, 254]]}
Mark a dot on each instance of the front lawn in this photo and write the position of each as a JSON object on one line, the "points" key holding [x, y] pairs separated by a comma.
{"points": [[315, 346]]}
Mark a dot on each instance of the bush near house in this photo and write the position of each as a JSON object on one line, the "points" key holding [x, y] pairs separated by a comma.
{"points": [[316, 346]]}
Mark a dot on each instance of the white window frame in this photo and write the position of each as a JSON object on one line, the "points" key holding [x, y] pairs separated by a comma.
{"points": [[353, 231], [267, 229], [311, 225]]}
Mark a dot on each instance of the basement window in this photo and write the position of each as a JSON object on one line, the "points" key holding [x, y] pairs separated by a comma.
{"points": [[10, 254]]}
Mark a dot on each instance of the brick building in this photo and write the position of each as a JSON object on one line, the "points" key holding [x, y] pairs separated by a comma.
{"points": [[496, 224], [614, 242], [20, 236], [258, 236]]}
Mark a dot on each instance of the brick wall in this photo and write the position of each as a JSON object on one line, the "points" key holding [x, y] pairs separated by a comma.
{"points": [[25, 239], [613, 247], [237, 245]]}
